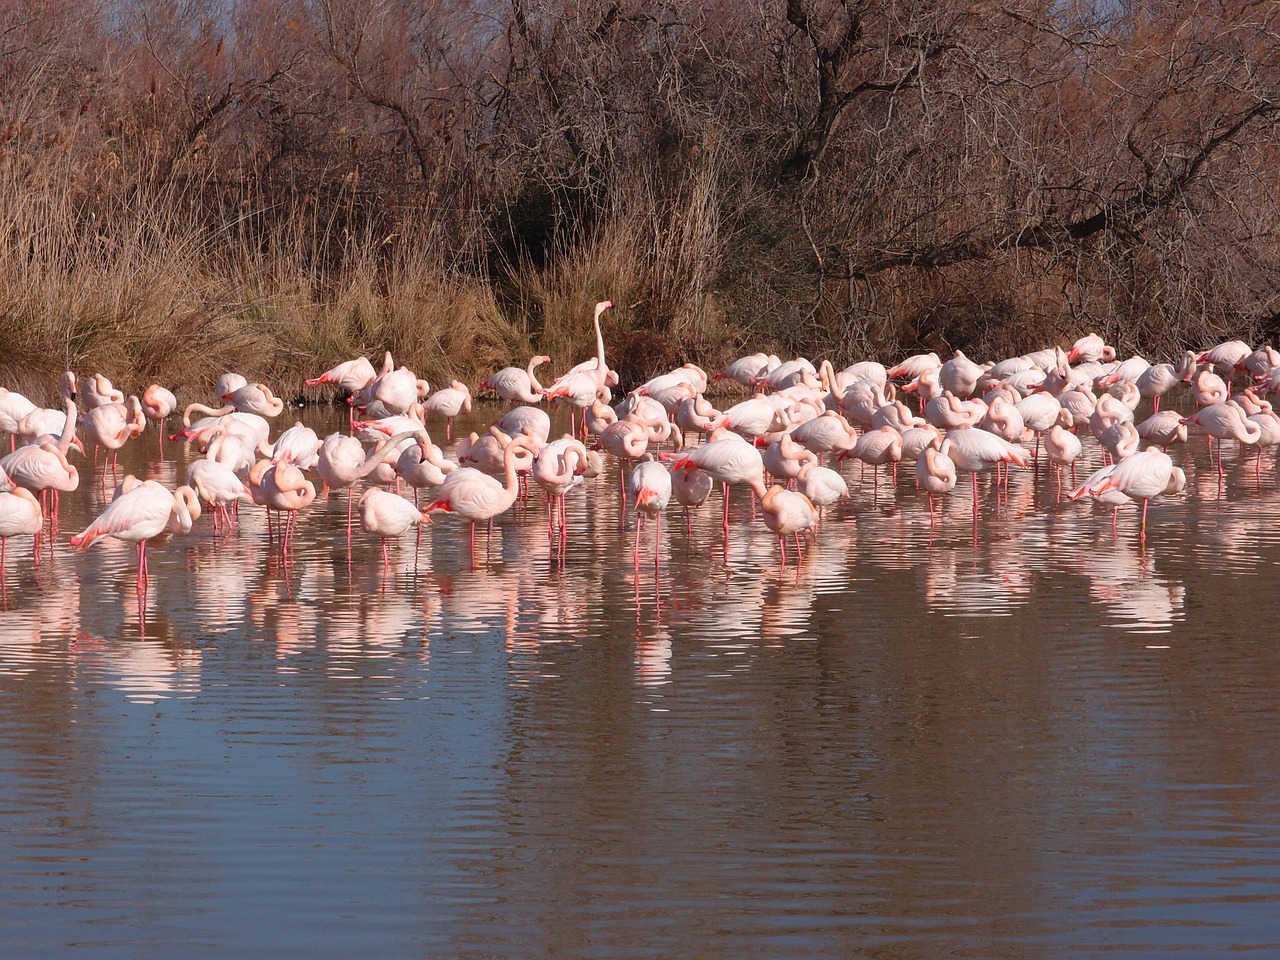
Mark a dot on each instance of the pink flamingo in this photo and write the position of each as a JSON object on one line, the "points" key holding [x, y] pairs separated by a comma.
{"points": [[350, 376], [1163, 429], [217, 486], [474, 495], [111, 425], [389, 516], [281, 487], [14, 408], [785, 460], [912, 367], [449, 402], [974, 451], [728, 458], [20, 516], [960, 375], [828, 433], [876, 448], [1221, 421], [159, 404], [692, 488], [98, 392], [745, 370], [558, 468], [1063, 448], [1089, 348], [516, 385], [583, 388], [142, 512], [341, 461], [822, 485], [1159, 378], [651, 483], [936, 473], [44, 468], [786, 513], [1141, 477]]}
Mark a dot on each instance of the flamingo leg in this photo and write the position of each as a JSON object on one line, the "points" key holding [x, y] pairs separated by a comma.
{"points": [[657, 539]]}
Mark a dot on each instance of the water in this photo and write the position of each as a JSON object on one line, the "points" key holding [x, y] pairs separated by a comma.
{"points": [[1045, 742]]}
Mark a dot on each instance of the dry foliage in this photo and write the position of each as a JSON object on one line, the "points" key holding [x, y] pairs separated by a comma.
{"points": [[275, 186]]}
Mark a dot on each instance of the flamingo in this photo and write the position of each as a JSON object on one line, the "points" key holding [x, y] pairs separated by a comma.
{"points": [[142, 512], [20, 516], [43, 468], [558, 468], [281, 487], [876, 448], [1064, 448], [389, 516], [626, 439], [913, 366], [1208, 388], [217, 486], [1226, 357], [1260, 362], [423, 464], [669, 388], [822, 485], [1221, 421], [1163, 429], [828, 433], [960, 375], [786, 513], [341, 461], [695, 413], [533, 422], [159, 403], [350, 376], [111, 425], [745, 370], [14, 408], [449, 402], [516, 385], [97, 391], [473, 495], [1090, 348], [1140, 477], [299, 444], [729, 458], [41, 421], [391, 392], [582, 388], [785, 460], [975, 451], [650, 483], [936, 472], [692, 488], [1159, 378]]}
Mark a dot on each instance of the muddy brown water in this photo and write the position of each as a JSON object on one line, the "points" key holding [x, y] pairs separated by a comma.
{"points": [[1028, 738]]}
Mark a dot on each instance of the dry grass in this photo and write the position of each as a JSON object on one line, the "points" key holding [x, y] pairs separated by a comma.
{"points": [[154, 295]]}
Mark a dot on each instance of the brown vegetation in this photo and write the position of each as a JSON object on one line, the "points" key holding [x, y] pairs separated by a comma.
{"points": [[268, 185]]}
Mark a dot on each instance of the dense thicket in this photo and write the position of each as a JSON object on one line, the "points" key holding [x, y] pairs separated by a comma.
{"points": [[274, 184]]}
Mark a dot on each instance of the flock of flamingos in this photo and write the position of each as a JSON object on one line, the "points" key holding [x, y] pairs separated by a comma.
{"points": [[785, 443]]}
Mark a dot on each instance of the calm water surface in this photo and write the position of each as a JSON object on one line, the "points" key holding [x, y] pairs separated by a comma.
{"points": [[1047, 743]]}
